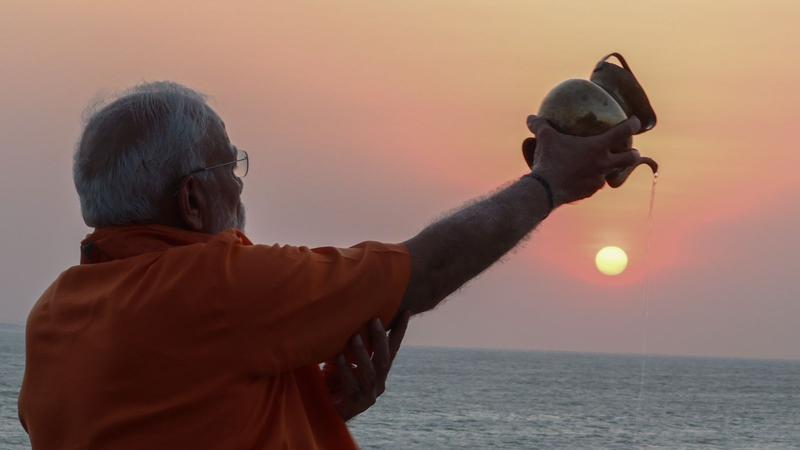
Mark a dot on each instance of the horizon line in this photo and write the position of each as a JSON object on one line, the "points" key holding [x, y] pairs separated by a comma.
{"points": [[580, 352]]}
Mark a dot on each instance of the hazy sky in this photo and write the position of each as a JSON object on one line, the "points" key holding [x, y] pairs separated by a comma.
{"points": [[367, 120]]}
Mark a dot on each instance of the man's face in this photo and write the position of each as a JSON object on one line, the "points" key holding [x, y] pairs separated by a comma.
{"points": [[226, 208]]}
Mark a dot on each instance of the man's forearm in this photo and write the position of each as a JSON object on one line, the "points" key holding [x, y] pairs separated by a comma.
{"points": [[450, 252]]}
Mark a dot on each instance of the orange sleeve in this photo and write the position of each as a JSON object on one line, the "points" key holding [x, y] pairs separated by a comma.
{"points": [[289, 307]]}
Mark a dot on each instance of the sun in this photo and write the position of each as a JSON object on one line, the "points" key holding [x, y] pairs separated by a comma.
{"points": [[611, 260]]}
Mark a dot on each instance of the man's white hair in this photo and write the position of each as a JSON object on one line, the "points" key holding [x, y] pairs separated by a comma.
{"points": [[135, 148]]}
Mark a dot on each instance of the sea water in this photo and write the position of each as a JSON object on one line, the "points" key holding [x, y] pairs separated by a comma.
{"points": [[12, 365], [487, 399], [481, 399]]}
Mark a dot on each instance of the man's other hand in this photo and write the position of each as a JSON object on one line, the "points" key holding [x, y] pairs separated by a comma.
{"points": [[577, 167], [355, 387]]}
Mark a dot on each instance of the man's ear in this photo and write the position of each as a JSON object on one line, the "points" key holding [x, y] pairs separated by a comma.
{"points": [[192, 203]]}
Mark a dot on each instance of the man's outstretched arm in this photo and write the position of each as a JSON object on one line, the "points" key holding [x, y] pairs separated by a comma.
{"points": [[450, 252]]}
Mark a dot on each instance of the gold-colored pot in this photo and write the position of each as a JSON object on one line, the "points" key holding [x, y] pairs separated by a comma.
{"points": [[591, 107]]}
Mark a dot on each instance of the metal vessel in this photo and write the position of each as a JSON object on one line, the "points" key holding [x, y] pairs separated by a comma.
{"points": [[590, 107]]}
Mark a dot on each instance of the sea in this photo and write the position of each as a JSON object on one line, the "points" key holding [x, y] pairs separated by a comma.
{"points": [[443, 398]]}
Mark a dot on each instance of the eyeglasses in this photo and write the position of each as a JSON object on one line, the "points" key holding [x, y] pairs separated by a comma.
{"points": [[240, 169]]}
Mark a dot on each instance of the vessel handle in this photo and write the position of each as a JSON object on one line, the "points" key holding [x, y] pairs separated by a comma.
{"points": [[619, 58]]}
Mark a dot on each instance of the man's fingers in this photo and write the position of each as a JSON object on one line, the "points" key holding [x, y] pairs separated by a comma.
{"points": [[348, 379], [364, 369], [621, 132], [539, 125], [623, 146], [381, 359], [397, 333]]}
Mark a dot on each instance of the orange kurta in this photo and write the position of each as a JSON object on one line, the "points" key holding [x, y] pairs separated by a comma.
{"points": [[169, 339]]}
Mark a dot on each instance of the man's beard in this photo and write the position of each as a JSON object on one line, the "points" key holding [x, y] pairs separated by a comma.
{"points": [[229, 217], [240, 217]]}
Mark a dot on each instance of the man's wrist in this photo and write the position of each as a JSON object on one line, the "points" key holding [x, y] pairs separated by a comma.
{"points": [[541, 183], [551, 203], [560, 196]]}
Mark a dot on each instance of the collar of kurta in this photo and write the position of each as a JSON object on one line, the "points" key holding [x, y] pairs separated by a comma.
{"points": [[112, 243]]}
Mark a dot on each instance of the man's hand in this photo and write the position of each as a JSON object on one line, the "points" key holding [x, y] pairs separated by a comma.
{"points": [[355, 387], [577, 167]]}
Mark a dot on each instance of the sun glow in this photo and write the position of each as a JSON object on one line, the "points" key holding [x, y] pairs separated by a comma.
{"points": [[611, 260]]}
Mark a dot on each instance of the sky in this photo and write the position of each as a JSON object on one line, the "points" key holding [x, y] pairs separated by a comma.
{"points": [[369, 120]]}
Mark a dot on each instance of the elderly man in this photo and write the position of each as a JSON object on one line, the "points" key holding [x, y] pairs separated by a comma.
{"points": [[175, 331]]}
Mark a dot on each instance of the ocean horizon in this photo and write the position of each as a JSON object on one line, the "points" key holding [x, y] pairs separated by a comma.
{"points": [[576, 352], [467, 398]]}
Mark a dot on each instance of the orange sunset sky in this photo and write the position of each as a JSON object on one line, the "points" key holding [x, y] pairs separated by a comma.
{"points": [[369, 119]]}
